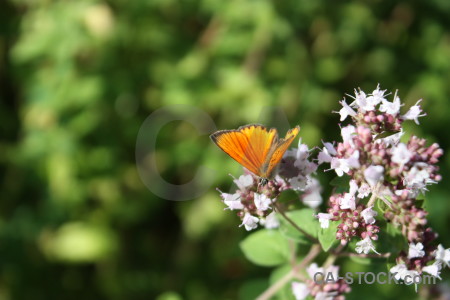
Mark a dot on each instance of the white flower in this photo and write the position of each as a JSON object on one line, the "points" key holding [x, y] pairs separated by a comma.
{"points": [[271, 221], [400, 154], [262, 202], [250, 222], [330, 148], [340, 165], [364, 246], [414, 113], [410, 277], [368, 214], [443, 255], [377, 96], [374, 174], [298, 183], [313, 269], [324, 219], [433, 269], [360, 100], [353, 187], [347, 133], [312, 197], [233, 201], [324, 156], [392, 108], [418, 177], [244, 181], [300, 290], [324, 296], [415, 250], [347, 201], [364, 190], [353, 160], [399, 271], [392, 139], [346, 111]]}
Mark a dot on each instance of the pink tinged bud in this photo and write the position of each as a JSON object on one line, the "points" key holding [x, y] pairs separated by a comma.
{"points": [[380, 118], [343, 242], [355, 224], [363, 235], [374, 237], [367, 119], [345, 227]]}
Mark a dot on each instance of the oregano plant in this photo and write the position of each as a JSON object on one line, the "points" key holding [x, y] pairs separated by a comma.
{"points": [[376, 210]]}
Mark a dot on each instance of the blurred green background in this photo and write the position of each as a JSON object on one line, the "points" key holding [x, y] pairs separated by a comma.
{"points": [[78, 78]]}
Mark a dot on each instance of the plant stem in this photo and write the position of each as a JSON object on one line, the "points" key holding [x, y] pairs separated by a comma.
{"points": [[382, 255], [310, 237], [274, 288], [374, 196]]}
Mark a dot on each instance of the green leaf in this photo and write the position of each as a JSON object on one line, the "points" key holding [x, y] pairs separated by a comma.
{"points": [[341, 181], [327, 236], [391, 240], [266, 248], [303, 218]]}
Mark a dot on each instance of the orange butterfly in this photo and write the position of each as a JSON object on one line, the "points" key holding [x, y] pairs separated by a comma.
{"points": [[253, 146]]}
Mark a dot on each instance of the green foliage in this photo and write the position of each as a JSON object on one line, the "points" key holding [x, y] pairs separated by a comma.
{"points": [[327, 236], [303, 218], [78, 78], [266, 248]]}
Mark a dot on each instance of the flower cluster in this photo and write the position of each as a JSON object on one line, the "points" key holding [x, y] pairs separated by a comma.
{"points": [[421, 258], [380, 167], [254, 202], [321, 284]]}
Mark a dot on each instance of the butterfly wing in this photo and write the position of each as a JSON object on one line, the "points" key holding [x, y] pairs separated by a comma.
{"points": [[249, 145], [277, 151]]}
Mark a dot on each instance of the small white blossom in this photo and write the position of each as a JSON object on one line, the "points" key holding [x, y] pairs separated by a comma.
{"points": [[364, 190], [418, 178], [368, 214], [347, 133], [324, 219], [346, 111], [298, 183], [313, 269], [250, 222], [330, 148], [390, 140], [300, 290], [434, 269], [353, 187], [443, 255], [347, 201], [271, 221], [415, 250], [233, 201], [360, 100], [324, 156], [340, 165], [262, 202], [364, 246], [324, 296], [353, 160], [244, 181], [369, 103], [374, 174], [410, 277], [414, 113], [312, 196], [401, 155], [399, 271], [392, 108]]}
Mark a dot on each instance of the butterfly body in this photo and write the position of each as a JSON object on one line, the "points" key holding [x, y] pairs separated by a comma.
{"points": [[255, 147]]}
